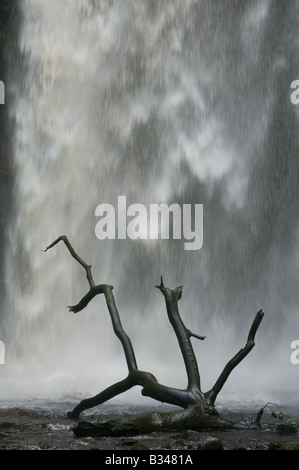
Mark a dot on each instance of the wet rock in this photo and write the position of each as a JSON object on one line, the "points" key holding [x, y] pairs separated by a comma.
{"points": [[134, 444], [292, 447], [139, 446], [210, 443], [213, 445], [277, 446], [283, 446], [7, 425], [30, 430], [128, 442], [105, 428], [192, 435], [286, 429]]}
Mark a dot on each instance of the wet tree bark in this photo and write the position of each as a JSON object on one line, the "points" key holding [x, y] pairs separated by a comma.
{"points": [[198, 407]]}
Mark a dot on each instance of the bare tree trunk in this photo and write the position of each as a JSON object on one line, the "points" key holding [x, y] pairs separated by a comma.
{"points": [[192, 418], [198, 406]]}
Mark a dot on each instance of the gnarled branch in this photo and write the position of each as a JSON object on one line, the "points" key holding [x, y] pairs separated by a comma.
{"points": [[151, 387], [197, 404], [183, 335], [212, 394], [86, 266]]}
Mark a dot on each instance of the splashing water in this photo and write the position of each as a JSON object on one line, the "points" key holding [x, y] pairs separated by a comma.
{"points": [[163, 102]]}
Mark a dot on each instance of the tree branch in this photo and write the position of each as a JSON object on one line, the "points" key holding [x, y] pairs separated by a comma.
{"points": [[86, 266], [194, 417], [192, 396], [183, 335], [102, 397], [151, 387], [118, 329], [212, 394], [107, 291], [196, 336], [95, 290]]}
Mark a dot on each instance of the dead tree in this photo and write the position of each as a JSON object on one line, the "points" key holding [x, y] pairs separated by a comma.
{"points": [[198, 407]]}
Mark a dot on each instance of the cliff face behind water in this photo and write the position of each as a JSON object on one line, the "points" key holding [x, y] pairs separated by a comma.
{"points": [[9, 59]]}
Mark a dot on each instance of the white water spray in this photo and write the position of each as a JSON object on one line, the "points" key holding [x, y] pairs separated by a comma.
{"points": [[163, 102]]}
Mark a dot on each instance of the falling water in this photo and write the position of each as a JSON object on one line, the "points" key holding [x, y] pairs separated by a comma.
{"points": [[163, 102]]}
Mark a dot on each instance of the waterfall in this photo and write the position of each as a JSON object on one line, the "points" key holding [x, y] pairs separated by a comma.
{"points": [[161, 102]]}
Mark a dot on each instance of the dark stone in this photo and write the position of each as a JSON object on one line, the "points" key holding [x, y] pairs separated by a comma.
{"points": [[276, 446], [109, 428], [286, 429], [213, 445], [192, 435], [139, 446]]}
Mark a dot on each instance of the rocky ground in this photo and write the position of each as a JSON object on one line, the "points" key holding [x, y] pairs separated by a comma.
{"points": [[41, 429]]}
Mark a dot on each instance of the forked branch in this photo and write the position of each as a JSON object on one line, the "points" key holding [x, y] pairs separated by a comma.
{"points": [[150, 385], [86, 266], [192, 396], [183, 335], [212, 394]]}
